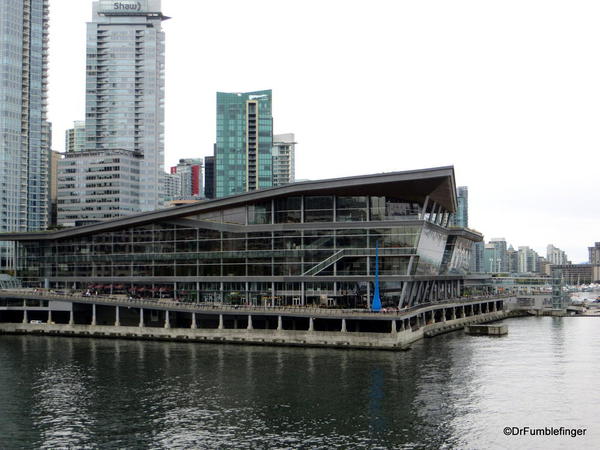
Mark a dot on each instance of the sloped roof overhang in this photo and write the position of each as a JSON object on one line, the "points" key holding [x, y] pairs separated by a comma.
{"points": [[414, 185]]}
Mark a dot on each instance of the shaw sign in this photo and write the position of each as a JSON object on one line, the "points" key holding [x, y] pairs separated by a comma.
{"points": [[127, 6]]}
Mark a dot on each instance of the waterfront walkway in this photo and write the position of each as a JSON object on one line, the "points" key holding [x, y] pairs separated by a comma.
{"points": [[221, 308], [72, 314]]}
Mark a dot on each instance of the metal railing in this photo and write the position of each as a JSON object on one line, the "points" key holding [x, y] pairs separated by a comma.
{"points": [[241, 309], [393, 251]]}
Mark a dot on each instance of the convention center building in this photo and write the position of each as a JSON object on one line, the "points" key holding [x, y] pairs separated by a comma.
{"points": [[309, 243]]}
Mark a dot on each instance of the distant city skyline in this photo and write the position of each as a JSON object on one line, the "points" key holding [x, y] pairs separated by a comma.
{"points": [[514, 113]]}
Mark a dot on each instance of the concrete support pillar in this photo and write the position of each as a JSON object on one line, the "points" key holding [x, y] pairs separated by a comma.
{"points": [[235, 324], [49, 316], [493, 306], [167, 321], [94, 314], [71, 317], [117, 321], [141, 317], [394, 329], [444, 315], [194, 325], [311, 324], [344, 329], [453, 313], [249, 322], [221, 323], [25, 320], [279, 323]]}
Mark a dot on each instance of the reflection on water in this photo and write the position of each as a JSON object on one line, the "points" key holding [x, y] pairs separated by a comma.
{"points": [[453, 391]]}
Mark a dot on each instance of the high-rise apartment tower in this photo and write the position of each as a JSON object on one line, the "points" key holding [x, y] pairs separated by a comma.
{"points": [[284, 159], [125, 87], [189, 171], [461, 217], [75, 137], [24, 132]]}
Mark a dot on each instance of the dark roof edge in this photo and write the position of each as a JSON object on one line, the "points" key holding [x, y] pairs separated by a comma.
{"points": [[246, 197]]}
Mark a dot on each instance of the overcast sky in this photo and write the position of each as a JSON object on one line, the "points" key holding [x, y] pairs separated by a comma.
{"points": [[507, 92]]}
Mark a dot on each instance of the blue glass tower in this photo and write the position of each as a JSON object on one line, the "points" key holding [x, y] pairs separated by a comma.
{"points": [[243, 160]]}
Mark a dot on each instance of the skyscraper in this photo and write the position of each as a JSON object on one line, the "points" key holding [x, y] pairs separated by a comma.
{"points": [[209, 176], [55, 157], [595, 253], [125, 87], [501, 262], [24, 132], [477, 257], [556, 256], [172, 186], [461, 217], [243, 160], [528, 260], [512, 257], [189, 172], [75, 137], [284, 159]]}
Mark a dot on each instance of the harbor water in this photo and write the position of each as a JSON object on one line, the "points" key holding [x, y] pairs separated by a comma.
{"points": [[450, 391]]}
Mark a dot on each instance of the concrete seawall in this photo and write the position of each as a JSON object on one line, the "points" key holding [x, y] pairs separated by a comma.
{"points": [[394, 340]]}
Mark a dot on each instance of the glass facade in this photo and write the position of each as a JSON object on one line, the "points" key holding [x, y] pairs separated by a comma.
{"points": [[125, 90], [461, 218], [24, 132], [294, 250], [243, 160]]}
